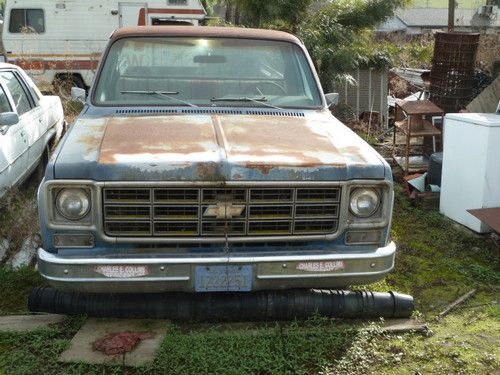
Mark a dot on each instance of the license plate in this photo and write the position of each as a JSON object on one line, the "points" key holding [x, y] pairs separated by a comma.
{"points": [[223, 278]]}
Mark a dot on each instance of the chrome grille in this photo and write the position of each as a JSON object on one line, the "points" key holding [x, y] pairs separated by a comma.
{"points": [[196, 212]]}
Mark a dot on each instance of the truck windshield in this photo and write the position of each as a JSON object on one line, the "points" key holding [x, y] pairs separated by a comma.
{"points": [[207, 72]]}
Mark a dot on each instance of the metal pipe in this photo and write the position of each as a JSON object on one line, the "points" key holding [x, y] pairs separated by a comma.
{"points": [[236, 306], [451, 15]]}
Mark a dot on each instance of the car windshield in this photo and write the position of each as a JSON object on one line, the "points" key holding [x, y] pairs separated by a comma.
{"points": [[207, 72]]}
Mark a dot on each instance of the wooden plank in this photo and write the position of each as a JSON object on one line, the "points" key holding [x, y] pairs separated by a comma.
{"points": [[26, 323], [487, 101], [455, 303], [489, 216], [403, 326]]}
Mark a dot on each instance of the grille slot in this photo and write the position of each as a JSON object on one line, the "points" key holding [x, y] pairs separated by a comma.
{"points": [[217, 228], [175, 228], [312, 227], [132, 228], [317, 211], [176, 195], [261, 228], [127, 212], [127, 195], [256, 211], [176, 212], [224, 195], [271, 195], [270, 212], [317, 195]]}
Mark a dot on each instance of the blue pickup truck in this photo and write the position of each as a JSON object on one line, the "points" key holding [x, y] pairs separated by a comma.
{"points": [[206, 159]]}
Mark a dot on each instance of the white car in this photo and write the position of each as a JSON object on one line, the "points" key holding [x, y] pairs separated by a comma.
{"points": [[30, 124]]}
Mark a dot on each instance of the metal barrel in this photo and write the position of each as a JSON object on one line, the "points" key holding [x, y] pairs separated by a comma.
{"points": [[224, 307]]}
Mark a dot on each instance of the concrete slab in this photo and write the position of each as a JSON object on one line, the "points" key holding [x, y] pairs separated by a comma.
{"points": [[26, 323], [404, 325], [81, 349]]}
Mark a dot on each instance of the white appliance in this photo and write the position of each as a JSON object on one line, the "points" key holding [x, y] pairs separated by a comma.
{"points": [[471, 166]]}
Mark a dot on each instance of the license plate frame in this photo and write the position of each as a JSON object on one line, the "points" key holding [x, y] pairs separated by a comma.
{"points": [[223, 278]]}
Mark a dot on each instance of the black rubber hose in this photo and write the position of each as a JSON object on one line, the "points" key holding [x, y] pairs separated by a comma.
{"points": [[255, 306]]}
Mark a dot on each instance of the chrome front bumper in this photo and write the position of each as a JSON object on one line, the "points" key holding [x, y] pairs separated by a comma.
{"points": [[177, 274]]}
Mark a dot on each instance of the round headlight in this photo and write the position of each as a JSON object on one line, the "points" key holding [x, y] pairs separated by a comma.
{"points": [[73, 204], [364, 202]]}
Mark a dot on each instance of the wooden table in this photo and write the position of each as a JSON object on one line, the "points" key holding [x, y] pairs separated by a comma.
{"points": [[415, 124]]}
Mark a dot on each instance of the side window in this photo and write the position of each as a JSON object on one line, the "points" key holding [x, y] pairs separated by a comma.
{"points": [[4, 102], [26, 21], [17, 91], [177, 2]]}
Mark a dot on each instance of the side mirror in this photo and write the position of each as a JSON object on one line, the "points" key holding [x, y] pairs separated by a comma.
{"points": [[332, 99], [7, 119], [78, 94]]}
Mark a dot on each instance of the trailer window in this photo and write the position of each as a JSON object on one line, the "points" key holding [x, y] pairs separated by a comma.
{"points": [[27, 21]]}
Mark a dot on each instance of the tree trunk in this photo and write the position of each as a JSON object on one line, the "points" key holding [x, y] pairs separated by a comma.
{"points": [[229, 12], [237, 15]]}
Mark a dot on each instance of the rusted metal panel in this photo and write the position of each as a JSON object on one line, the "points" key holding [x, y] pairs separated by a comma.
{"points": [[216, 148]]}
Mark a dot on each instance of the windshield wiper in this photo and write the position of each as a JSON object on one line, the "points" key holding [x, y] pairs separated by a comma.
{"points": [[164, 94], [262, 100]]}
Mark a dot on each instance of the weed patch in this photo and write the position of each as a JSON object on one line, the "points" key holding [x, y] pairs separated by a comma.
{"points": [[15, 289]]}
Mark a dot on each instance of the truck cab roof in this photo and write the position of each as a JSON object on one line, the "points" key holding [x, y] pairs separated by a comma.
{"points": [[204, 31]]}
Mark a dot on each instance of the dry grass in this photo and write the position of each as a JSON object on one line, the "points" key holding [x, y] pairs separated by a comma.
{"points": [[19, 215], [488, 51]]}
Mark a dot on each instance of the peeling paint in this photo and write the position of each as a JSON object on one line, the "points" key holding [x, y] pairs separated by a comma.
{"points": [[212, 147]]}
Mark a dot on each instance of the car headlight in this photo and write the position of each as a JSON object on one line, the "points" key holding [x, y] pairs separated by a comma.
{"points": [[364, 202], [73, 204]]}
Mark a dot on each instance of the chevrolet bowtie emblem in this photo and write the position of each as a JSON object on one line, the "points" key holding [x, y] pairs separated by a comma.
{"points": [[224, 210]]}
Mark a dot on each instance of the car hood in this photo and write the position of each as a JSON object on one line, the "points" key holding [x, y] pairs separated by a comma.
{"points": [[216, 148]]}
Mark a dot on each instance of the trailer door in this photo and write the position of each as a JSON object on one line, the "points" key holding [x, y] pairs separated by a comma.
{"points": [[130, 13]]}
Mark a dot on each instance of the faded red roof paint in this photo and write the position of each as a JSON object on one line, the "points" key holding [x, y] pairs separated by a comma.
{"points": [[204, 31]]}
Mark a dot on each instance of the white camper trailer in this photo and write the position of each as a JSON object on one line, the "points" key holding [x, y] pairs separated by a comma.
{"points": [[59, 42]]}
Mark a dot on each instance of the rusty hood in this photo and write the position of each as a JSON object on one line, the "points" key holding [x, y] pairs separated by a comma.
{"points": [[216, 147]]}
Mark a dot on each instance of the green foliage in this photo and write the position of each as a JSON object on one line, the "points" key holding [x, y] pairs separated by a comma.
{"points": [[407, 52], [275, 14], [295, 348], [339, 36], [259, 13]]}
